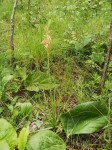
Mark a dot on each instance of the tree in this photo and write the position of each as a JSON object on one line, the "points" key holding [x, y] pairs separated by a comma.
{"points": [[107, 59]]}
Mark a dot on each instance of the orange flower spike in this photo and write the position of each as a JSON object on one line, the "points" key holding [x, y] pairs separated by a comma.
{"points": [[47, 41]]}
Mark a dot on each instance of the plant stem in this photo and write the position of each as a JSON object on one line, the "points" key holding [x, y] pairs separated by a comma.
{"points": [[54, 108], [12, 32], [109, 129], [48, 61], [52, 95]]}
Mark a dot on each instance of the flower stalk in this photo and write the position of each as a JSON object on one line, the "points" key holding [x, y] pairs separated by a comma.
{"points": [[46, 42]]}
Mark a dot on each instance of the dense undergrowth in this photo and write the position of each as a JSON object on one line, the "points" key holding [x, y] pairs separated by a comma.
{"points": [[49, 80]]}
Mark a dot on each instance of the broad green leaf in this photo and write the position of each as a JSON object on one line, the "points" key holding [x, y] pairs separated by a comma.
{"points": [[85, 118], [21, 72], [8, 133], [86, 40], [98, 57], [32, 88], [22, 139], [6, 79], [39, 80], [4, 145], [46, 140]]}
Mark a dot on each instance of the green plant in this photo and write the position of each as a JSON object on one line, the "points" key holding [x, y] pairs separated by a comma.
{"points": [[39, 81], [22, 139], [4, 145], [25, 109], [46, 139], [4, 83], [73, 59], [85, 118], [7, 134], [42, 140]]}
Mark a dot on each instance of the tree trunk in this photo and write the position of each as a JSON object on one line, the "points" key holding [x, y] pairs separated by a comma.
{"points": [[107, 59], [12, 32]]}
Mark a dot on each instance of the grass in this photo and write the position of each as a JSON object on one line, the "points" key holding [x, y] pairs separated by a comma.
{"points": [[77, 30]]}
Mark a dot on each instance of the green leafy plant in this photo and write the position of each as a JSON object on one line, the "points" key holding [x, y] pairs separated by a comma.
{"points": [[4, 83], [21, 72], [4, 145], [85, 118], [38, 81], [46, 139], [74, 56], [42, 140], [22, 139], [7, 134], [25, 108]]}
